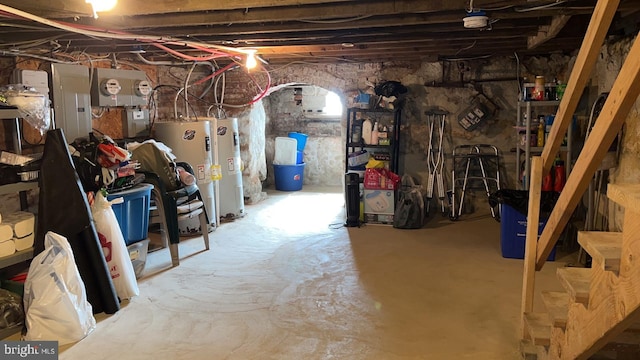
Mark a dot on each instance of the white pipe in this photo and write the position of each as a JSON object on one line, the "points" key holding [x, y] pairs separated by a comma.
{"points": [[186, 86]]}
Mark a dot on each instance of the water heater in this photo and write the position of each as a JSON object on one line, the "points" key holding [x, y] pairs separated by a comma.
{"points": [[191, 143], [230, 185]]}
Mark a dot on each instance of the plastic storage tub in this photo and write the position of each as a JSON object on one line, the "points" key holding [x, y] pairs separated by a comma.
{"points": [[513, 230], [301, 138], [285, 151], [133, 213], [138, 255], [288, 177]]}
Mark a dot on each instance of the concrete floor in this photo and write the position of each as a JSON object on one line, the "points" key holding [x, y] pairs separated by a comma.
{"points": [[288, 281]]}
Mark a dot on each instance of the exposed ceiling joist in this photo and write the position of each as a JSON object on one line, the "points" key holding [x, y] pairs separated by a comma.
{"points": [[311, 30], [547, 32]]}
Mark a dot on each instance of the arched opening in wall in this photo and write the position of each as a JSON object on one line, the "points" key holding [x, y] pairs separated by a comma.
{"points": [[317, 113]]}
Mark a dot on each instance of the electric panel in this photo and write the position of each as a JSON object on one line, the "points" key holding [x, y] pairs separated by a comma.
{"points": [[135, 123], [36, 79], [115, 87], [71, 100]]}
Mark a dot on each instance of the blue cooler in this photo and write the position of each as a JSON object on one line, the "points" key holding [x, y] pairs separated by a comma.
{"points": [[133, 213]]}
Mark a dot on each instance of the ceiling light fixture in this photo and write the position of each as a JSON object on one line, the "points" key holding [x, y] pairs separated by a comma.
{"points": [[101, 6], [251, 60]]}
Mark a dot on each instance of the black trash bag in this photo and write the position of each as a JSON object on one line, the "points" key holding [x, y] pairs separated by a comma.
{"points": [[390, 88], [410, 209], [519, 200]]}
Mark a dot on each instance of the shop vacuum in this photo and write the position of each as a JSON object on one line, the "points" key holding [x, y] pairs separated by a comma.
{"points": [[352, 194]]}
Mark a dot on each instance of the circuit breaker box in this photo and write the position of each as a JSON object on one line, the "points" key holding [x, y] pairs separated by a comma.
{"points": [[71, 101]]}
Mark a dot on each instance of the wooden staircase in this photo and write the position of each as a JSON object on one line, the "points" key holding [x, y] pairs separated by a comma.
{"points": [[600, 308]]}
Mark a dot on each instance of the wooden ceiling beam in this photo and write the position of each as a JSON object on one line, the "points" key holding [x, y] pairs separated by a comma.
{"points": [[417, 11], [547, 32], [257, 31], [143, 7], [359, 41]]}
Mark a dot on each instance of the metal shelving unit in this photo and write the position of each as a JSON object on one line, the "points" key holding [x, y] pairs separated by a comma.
{"points": [[21, 188], [526, 150], [390, 118]]}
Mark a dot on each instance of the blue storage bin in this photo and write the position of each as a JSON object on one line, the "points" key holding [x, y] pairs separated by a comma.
{"points": [[513, 230], [301, 138], [133, 213], [288, 177]]}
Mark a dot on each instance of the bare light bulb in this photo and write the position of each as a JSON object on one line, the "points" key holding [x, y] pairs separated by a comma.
{"points": [[251, 60], [101, 5]]}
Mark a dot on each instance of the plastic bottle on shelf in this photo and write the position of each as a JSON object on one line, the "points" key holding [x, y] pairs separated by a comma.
{"points": [[559, 175], [547, 182], [560, 88], [538, 89], [356, 135], [375, 134], [548, 123], [541, 128], [367, 128]]}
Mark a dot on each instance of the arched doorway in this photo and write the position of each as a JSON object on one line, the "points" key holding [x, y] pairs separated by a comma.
{"points": [[314, 111]]}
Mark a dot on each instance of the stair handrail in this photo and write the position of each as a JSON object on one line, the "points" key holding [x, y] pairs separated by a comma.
{"points": [[537, 250]]}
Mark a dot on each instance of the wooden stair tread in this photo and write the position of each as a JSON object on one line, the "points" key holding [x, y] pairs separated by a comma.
{"points": [[604, 247], [577, 282], [627, 195], [528, 350], [557, 304], [539, 328]]}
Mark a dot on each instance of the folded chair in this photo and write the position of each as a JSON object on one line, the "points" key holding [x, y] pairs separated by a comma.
{"points": [[175, 205]]}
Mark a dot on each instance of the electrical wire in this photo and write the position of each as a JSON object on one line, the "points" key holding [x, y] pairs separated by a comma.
{"points": [[161, 42], [466, 48], [39, 57], [186, 87], [105, 33]]}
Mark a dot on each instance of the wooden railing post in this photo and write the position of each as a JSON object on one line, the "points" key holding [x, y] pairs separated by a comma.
{"points": [[531, 242]]}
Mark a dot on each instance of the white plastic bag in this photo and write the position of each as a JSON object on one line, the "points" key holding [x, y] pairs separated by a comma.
{"points": [[114, 248], [55, 300]]}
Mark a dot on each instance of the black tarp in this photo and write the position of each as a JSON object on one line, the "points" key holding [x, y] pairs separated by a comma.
{"points": [[63, 208]]}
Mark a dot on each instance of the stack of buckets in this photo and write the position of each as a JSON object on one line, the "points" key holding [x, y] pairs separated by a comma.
{"points": [[289, 177]]}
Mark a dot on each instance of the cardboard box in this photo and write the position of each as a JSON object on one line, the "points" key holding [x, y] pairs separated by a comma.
{"points": [[378, 219], [379, 206]]}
